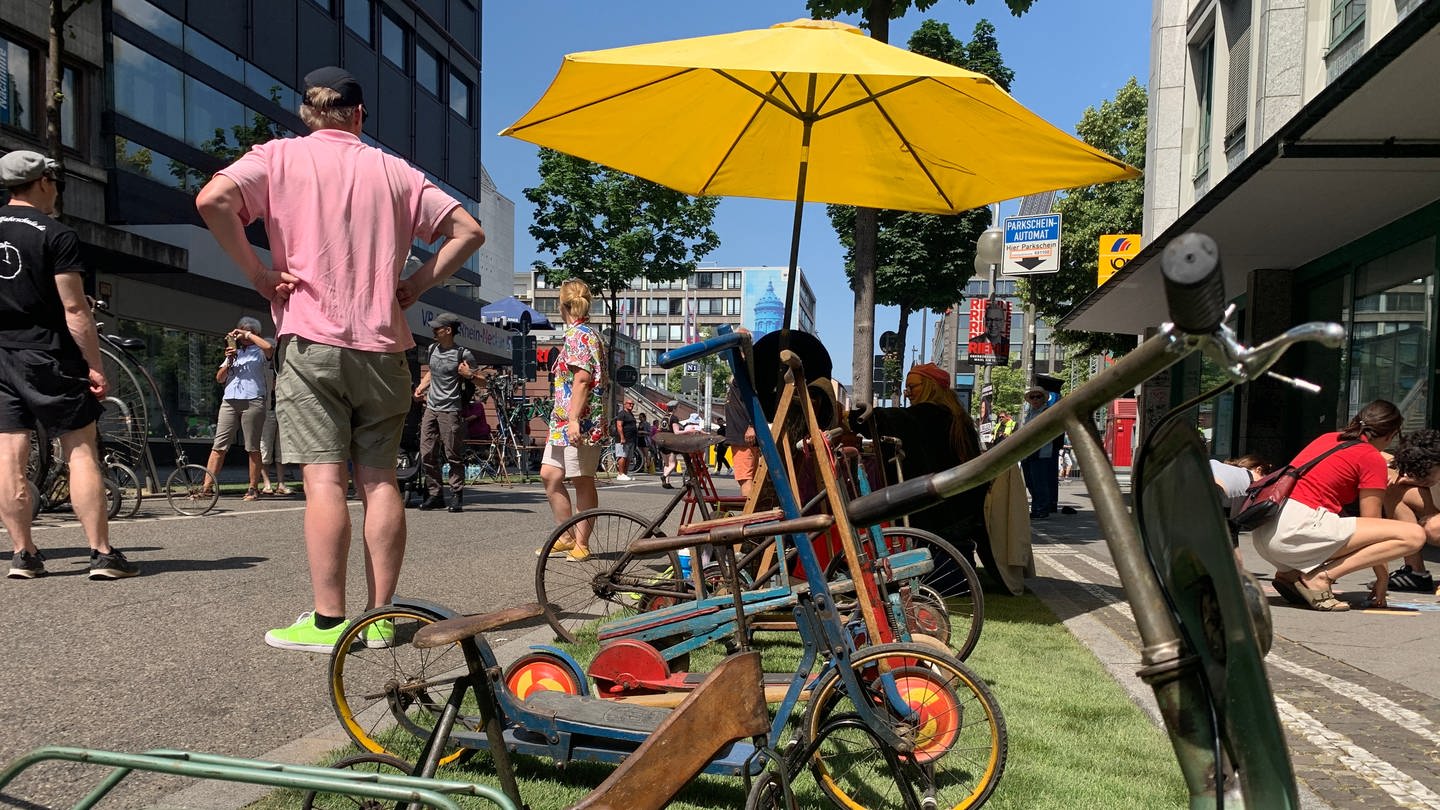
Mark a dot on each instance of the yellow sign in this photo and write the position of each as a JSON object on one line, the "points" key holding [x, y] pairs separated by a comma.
{"points": [[1115, 250]]}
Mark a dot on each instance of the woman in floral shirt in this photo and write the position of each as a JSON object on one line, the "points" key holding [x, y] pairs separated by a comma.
{"points": [[577, 419]]}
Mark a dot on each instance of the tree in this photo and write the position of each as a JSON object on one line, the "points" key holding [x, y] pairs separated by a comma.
{"points": [[60, 13], [609, 228], [876, 16], [923, 261], [1116, 127]]}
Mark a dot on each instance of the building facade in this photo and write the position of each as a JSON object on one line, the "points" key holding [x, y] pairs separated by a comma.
{"points": [[1304, 136], [159, 94], [952, 335], [660, 316]]}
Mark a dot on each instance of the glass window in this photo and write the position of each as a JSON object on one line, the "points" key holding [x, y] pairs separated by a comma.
{"points": [[1204, 92], [427, 69], [732, 306], [1345, 16], [460, 95], [148, 90], [210, 116], [214, 54], [70, 109], [675, 331], [392, 39], [1390, 332], [359, 17], [271, 88], [151, 19], [325, 4], [16, 92], [146, 162], [677, 306], [183, 365]]}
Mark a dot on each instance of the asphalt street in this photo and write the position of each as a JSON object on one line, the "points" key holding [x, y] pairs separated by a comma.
{"points": [[176, 658]]}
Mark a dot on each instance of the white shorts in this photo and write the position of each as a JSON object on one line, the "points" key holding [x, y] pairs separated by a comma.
{"points": [[1302, 538], [577, 462]]}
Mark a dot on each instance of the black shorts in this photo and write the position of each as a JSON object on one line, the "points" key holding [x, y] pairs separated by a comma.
{"points": [[49, 388]]}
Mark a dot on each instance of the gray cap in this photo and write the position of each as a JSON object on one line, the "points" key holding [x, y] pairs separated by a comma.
{"points": [[23, 166], [445, 319], [674, 403]]}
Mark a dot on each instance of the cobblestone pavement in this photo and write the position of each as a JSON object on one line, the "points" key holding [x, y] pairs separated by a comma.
{"points": [[1356, 692]]}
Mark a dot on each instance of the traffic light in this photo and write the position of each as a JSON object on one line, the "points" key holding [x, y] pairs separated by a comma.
{"points": [[522, 356]]}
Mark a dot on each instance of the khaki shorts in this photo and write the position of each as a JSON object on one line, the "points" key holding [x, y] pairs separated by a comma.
{"points": [[246, 415], [577, 462], [336, 404], [1302, 538]]}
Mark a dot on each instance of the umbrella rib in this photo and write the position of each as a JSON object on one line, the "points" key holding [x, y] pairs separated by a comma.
{"points": [[839, 80], [870, 97], [602, 100], [733, 144], [768, 97], [906, 143]]}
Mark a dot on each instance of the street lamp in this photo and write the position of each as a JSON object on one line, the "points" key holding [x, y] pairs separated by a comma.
{"points": [[988, 252]]}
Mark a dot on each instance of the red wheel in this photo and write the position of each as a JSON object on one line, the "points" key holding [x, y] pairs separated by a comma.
{"points": [[937, 709], [541, 672]]}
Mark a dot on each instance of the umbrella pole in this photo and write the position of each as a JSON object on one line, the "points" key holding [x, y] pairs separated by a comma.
{"points": [[807, 122]]}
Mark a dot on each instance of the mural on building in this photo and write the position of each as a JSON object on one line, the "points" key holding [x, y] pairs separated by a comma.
{"points": [[762, 309]]}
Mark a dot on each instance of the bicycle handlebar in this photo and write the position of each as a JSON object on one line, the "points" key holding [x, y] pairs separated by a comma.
{"points": [[705, 348], [1191, 269]]}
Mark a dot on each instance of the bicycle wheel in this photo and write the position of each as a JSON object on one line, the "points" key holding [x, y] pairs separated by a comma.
{"points": [[123, 427], [361, 763], [128, 483], [946, 603], [37, 464], [392, 683], [608, 462], [191, 490], [112, 496], [954, 727], [610, 581]]}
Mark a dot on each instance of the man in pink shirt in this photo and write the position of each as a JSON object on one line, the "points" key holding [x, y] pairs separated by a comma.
{"points": [[341, 217]]}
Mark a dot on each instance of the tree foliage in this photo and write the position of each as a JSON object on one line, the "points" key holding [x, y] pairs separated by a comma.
{"points": [[608, 227], [923, 261], [1116, 127], [892, 9]]}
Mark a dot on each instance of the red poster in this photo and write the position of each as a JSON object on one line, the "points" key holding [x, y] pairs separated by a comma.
{"points": [[989, 332]]}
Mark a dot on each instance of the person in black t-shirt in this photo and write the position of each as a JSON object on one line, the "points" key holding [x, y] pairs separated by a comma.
{"points": [[50, 372], [626, 439]]}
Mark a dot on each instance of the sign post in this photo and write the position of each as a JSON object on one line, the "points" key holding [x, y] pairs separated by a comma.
{"points": [[1032, 245]]}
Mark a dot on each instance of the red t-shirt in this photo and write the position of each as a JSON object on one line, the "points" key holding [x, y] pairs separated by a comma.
{"points": [[1338, 479]]}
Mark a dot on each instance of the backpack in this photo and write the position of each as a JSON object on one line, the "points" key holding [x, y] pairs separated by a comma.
{"points": [[466, 386]]}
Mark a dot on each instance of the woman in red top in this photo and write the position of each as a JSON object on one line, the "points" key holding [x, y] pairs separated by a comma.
{"points": [[1311, 545]]}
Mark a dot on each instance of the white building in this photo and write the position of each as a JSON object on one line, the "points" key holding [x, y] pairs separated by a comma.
{"points": [[1304, 136]]}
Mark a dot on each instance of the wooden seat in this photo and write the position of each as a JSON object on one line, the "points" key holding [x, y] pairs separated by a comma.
{"points": [[744, 519], [450, 631]]}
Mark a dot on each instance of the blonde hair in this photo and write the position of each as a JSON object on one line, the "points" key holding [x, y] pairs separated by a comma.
{"points": [[318, 110], [963, 437], [575, 298]]}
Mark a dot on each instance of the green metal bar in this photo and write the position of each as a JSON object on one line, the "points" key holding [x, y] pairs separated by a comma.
{"points": [[231, 769]]}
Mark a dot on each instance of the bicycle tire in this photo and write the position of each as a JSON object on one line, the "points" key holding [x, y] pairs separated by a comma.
{"points": [[124, 426], [608, 463], [373, 688], [947, 603], [191, 490], [366, 763], [37, 463], [578, 594], [955, 728], [112, 496], [131, 492]]}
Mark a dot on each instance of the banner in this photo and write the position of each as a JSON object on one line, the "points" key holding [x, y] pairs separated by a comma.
{"points": [[989, 340]]}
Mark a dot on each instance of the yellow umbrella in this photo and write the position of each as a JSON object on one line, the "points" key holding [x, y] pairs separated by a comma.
{"points": [[809, 110]]}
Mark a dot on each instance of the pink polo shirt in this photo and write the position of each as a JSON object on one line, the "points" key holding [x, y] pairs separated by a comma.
{"points": [[341, 217]]}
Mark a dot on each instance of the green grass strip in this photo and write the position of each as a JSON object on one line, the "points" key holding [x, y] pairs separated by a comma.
{"points": [[1075, 737]]}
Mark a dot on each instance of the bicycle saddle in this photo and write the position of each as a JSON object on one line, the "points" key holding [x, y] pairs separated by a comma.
{"points": [[686, 442], [127, 343]]}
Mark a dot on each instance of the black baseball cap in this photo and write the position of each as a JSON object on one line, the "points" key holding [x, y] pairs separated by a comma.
{"points": [[339, 80]]}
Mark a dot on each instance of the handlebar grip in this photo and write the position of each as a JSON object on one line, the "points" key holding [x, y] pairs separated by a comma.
{"points": [[893, 501], [704, 348], [1194, 285]]}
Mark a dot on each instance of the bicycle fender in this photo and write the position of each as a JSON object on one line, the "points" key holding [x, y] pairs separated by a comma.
{"points": [[424, 604]]}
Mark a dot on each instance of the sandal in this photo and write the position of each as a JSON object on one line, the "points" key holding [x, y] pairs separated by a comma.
{"points": [[282, 490], [267, 491], [251, 494], [1288, 592], [1321, 600]]}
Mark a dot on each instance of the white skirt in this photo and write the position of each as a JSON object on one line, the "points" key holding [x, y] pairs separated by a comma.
{"points": [[1302, 537]]}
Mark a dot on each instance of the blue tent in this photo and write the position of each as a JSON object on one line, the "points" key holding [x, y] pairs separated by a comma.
{"points": [[511, 312]]}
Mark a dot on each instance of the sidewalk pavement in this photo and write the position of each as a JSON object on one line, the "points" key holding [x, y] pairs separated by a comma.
{"points": [[1356, 694]]}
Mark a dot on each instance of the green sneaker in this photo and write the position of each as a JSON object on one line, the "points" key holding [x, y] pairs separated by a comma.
{"points": [[379, 634], [304, 635]]}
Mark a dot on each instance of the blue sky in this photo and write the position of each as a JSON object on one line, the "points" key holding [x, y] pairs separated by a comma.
{"points": [[1066, 55]]}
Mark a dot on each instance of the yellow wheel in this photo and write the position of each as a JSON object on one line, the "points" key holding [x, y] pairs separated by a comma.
{"points": [[379, 680], [950, 721]]}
